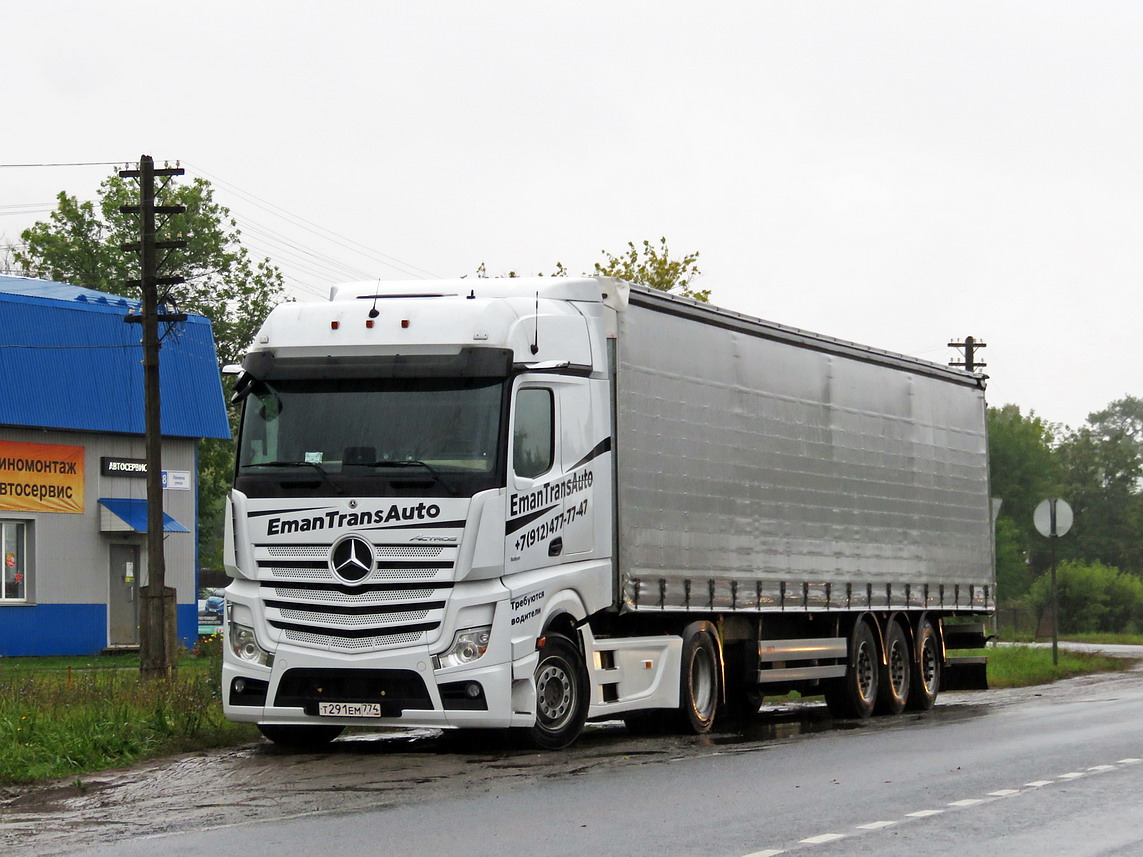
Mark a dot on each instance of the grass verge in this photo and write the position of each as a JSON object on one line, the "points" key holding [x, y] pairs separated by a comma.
{"points": [[1023, 666], [62, 717]]}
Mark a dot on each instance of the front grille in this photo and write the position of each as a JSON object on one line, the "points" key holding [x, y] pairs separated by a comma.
{"points": [[395, 690], [400, 602]]}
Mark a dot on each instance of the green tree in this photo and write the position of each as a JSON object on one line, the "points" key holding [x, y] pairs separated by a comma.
{"points": [[1093, 597], [648, 266], [1102, 465], [81, 243], [1023, 471], [1124, 417], [652, 265]]}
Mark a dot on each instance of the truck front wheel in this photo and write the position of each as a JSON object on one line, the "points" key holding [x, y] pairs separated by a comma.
{"points": [[561, 694]]}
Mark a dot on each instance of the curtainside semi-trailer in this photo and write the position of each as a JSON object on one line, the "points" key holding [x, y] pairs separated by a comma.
{"points": [[530, 503]]}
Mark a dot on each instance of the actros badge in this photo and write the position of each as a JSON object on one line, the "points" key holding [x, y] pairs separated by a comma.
{"points": [[351, 559]]}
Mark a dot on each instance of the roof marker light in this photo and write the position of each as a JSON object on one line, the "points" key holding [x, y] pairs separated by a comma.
{"points": [[404, 323], [334, 325]]}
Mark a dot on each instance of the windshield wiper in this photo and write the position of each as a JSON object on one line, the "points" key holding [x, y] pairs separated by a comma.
{"points": [[414, 463], [313, 464]]}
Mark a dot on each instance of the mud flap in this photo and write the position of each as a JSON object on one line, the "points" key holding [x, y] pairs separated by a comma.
{"points": [[965, 674]]}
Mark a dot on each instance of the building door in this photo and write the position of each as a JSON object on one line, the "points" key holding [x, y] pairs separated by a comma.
{"points": [[123, 601]]}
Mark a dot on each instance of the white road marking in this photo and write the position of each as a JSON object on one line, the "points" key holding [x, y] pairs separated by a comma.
{"points": [[928, 813]]}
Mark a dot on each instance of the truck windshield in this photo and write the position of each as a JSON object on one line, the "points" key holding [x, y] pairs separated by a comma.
{"points": [[371, 437]]}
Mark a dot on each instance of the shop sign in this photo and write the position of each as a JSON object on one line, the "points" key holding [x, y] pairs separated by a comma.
{"points": [[173, 480], [112, 466], [41, 477]]}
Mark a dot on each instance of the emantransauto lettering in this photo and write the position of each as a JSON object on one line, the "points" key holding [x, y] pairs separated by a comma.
{"points": [[337, 520], [553, 492]]}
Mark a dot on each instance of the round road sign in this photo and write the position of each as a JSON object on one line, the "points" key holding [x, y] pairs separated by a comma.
{"points": [[1053, 517]]}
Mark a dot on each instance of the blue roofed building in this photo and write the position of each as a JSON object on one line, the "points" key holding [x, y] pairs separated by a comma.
{"points": [[73, 498]]}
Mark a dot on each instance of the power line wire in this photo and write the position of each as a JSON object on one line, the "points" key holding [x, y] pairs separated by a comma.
{"points": [[76, 164], [327, 234]]}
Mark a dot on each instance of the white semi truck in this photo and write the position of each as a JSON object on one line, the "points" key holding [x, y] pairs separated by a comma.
{"points": [[530, 503]]}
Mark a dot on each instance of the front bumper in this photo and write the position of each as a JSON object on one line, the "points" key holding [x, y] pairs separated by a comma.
{"points": [[403, 685]]}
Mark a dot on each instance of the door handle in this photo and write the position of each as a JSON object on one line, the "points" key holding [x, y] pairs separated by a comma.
{"points": [[556, 546]]}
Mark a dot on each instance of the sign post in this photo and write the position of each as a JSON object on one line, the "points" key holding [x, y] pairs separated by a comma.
{"points": [[1053, 518]]}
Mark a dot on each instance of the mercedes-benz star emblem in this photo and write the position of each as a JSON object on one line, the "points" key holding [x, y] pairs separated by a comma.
{"points": [[351, 559]]}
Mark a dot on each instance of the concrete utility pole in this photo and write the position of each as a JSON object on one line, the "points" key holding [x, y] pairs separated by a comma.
{"points": [[969, 347], [157, 621]]}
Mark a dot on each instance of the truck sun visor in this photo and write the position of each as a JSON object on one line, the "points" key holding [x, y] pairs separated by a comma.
{"points": [[464, 363]]}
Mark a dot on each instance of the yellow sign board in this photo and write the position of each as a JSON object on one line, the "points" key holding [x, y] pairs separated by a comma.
{"points": [[41, 477]]}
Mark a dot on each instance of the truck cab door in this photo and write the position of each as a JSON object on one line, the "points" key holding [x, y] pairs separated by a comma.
{"points": [[549, 480], [535, 509]]}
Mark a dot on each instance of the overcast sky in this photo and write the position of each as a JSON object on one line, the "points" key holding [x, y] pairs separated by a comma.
{"points": [[901, 174]]}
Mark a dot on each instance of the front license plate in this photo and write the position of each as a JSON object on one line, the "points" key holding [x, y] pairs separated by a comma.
{"points": [[349, 709]]}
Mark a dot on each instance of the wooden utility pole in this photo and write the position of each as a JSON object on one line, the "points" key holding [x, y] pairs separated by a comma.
{"points": [[158, 627], [970, 346]]}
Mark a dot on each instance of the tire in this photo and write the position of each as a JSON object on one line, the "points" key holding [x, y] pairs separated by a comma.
{"points": [[699, 679], [896, 672], [926, 679], [300, 737], [855, 695], [561, 695]]}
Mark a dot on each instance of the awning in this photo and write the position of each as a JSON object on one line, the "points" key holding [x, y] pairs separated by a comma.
{"points": [[120, 514]]}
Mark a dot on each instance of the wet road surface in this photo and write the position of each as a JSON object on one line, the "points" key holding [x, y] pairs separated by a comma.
{"points": [[768, 786]]}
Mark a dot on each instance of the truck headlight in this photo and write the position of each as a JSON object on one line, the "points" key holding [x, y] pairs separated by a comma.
{"points": [[467, 646], [242, 640]]}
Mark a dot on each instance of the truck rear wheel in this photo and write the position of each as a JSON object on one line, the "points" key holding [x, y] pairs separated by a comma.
{"points": [[896, 672], [855, 695], [926, 679], [561, 694], [699, 678]]}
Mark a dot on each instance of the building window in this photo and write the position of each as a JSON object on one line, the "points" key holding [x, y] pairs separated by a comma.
{"points": [[14, 539]]}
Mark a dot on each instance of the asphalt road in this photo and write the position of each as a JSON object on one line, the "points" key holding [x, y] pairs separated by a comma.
{"points": [[1051, 770]]}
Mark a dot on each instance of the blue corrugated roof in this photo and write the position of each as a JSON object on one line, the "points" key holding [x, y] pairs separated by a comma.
{"points": [[68, 361]]}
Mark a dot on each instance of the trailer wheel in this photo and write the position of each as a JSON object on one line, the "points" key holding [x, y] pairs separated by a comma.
{"points": [[561, 694], [855, 695], [926, 680], [699, 678], [897, 671], [300, 737]]}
